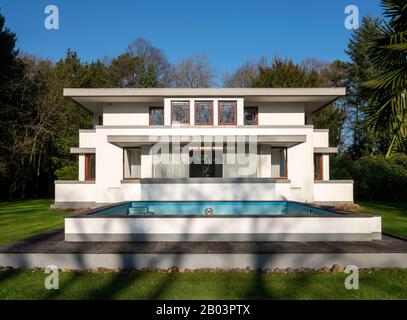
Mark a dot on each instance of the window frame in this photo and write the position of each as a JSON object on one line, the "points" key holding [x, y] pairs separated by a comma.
{"points": [[256, 118], [320, 172], [188, 113], [234, 110], [88, 176], [196, 111], [149, 115], [124, 163]]}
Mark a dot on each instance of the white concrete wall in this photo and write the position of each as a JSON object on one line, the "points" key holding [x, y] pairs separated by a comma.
{"points": [[87, 138], [223, 225], [333, 192], [280, 113], [131, 191], [75, 192], [321, 138], [81, 172], [134, 114], [215, 191], [325, 167]]}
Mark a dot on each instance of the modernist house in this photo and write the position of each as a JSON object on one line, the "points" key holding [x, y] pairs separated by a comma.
{"points": [[117, 159]]}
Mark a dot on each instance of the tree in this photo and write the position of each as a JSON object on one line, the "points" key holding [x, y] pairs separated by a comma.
{"points": [[361, 138], [152, 59], [192, 72], [284, 73], [387, 92], [8, 54], [245, 75]]}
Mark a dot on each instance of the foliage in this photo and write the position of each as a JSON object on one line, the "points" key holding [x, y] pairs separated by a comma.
{"points": [[387, 91], [375, 177], [192, 72]]}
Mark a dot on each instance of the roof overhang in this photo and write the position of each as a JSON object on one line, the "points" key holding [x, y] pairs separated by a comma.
{"points": [[313, 98], [326, 150], [139, 140], [83, 150]]}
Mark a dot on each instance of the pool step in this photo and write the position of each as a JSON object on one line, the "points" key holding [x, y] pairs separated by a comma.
{"points": [[138, 210]]}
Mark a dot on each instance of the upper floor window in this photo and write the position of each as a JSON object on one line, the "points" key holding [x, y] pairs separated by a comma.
{"points": [[180, 112], [204, 112], [156, 116], [227, 112], [251, 115], [90, 162]]}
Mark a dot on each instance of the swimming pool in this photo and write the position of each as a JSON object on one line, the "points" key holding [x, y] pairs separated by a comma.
{"points": [[219, 221], [209, 208]]}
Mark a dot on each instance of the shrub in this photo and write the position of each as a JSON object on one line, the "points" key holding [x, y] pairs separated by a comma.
{"points": [[375, 177]]}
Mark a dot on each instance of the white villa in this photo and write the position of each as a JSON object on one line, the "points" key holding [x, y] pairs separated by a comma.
{"points": [[116, 162]]}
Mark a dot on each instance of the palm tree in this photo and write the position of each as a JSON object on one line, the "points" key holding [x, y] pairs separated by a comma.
{"points": [[387, 92]]}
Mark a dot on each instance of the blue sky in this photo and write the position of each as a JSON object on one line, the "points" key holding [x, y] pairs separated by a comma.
{"points": [[228, 31]]}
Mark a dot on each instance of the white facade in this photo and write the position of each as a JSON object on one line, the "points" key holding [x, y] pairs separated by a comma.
{"points": [[122, 122]]}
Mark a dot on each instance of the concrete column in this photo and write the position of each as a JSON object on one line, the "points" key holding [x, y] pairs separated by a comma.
{"points": [[81, 172]]}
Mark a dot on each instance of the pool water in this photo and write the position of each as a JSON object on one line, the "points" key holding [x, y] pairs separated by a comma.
{"points": [[216, 208]]}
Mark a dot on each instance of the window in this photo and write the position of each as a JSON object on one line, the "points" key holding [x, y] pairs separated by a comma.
{"points": [[90, 166], [204, 112], [132, 163], [239, 162], [251, 116], [205, 163], [279, 162], [227, 112], [318, 173], [180, 112], [156, 116]]}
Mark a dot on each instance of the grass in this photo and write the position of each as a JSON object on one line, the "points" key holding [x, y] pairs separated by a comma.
{"points": [[394, 215], [378, 284], [22, 219]]}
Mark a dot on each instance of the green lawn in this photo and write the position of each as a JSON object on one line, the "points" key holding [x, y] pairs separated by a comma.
{"points": [[382, 284], [394, 215], [21, 219]]}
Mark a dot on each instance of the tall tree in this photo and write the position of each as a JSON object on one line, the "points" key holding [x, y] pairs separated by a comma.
{"points": [[285, 73], [387, 92], [245, 75], [361, 68], [8, 54], [192, 72]]}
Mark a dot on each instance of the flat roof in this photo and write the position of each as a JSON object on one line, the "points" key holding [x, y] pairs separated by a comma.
{"points": [[92, 99]]}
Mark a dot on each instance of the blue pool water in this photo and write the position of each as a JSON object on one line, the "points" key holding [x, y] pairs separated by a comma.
{"points": [[240, 208]]}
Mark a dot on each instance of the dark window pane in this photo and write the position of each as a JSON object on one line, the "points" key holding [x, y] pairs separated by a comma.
{"points": [[157, 116], [90, 166], [318, 166], [180, 112], [227, 113], [250, 116], [203, 113]]}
